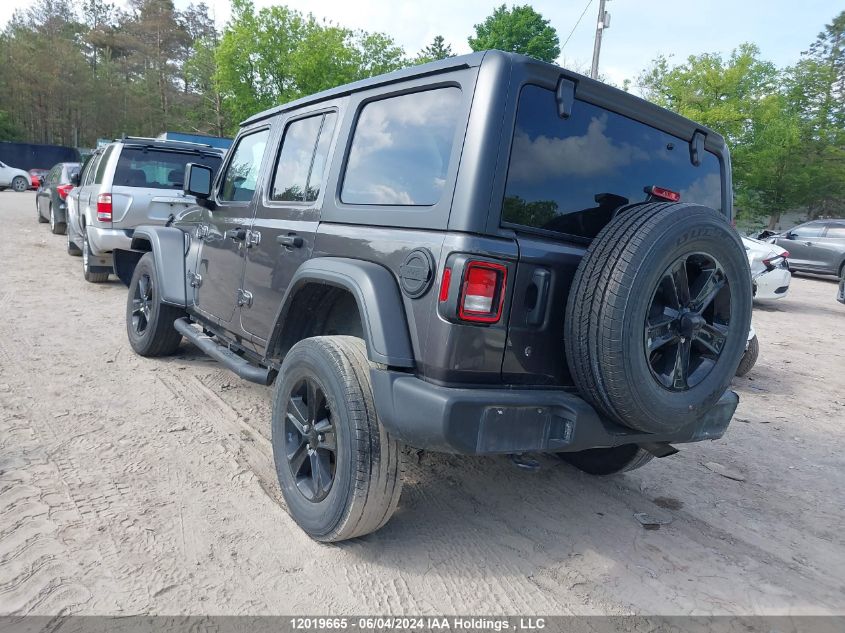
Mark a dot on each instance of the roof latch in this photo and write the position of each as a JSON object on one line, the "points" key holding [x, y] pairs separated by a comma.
{"points": [[565, 97], [696, 147]]}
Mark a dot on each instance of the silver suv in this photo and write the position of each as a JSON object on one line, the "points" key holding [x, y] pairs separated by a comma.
{"points": [[124, 184]]}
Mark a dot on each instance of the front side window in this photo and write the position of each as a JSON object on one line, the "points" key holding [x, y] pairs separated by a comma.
{"points": [[241, 178], [570, 175], [808, 230], [302, 159], [401, 148], [157, 168]]}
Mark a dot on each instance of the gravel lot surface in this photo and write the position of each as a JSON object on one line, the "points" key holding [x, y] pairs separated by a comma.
{"points": [[130, 485]]}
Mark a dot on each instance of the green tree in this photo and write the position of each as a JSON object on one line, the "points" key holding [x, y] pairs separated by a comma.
{"points": [[517, 30], [438, 49]]}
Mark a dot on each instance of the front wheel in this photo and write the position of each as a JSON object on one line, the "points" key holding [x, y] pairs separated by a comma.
{"points": [[339, 470], [20, 184], [41, 218], [149, 322]]}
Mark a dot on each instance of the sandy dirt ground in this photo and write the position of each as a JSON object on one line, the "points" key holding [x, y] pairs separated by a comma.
{"points": [[130, 485]]}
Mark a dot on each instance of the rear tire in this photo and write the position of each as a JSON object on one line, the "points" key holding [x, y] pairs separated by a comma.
{"points": [[56, 228], [90, 276], [339, 469], [749, 358], [608, 461], [658, 315], [149, 322]]}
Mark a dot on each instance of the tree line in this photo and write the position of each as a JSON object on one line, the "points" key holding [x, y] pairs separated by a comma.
{"points": [[73, 71]]}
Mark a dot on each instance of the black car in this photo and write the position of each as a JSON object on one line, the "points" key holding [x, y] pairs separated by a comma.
{"points": [[485, 254], [51, 197]]}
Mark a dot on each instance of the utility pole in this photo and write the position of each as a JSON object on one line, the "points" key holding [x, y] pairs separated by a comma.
{"points": [[601, 25]]}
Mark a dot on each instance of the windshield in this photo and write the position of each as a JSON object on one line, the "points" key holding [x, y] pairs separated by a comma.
{"points": [[570, 175], [157, 168]]}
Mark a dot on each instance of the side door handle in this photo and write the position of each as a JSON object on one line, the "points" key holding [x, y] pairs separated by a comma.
{"points": [[290, 241], [238, 234], [808, 243]]}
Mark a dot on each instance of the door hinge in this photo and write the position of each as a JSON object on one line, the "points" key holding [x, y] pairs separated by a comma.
{"points": [[253, 238], [202, 231], [194, 279], [244, 298]]}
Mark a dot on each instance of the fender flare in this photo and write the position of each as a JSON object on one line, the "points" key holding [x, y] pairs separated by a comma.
{"points": [[379, 303], [168, 247]]}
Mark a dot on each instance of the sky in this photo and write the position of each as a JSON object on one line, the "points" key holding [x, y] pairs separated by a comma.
{"points": [[639, 29]]}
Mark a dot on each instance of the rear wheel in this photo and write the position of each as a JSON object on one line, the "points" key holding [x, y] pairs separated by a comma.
{"points": [[749, 358], [149, 322], [20, 184], [658, 315], [56, 227], [608, 461], [339, 470], [87, 272]]}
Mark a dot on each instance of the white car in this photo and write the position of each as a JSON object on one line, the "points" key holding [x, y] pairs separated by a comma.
{"points": [[769, 264], [17, 179]]}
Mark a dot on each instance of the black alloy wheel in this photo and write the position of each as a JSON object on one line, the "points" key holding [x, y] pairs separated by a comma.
{"points": [[142, 304], [687, 322], [310, 440]]}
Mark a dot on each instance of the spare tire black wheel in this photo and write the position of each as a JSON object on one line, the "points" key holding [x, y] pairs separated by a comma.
{"points": [[658, 315]]}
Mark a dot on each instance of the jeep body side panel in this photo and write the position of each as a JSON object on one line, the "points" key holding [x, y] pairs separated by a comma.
{"points": [[168, 247], [377, 296]]}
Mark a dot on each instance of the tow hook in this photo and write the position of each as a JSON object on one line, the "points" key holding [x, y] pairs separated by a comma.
{"points": [[524, 462]]}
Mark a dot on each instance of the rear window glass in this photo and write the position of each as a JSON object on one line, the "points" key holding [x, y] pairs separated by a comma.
{"points": [[569, 175], [157, 169], [401, 148], [299, 171]]}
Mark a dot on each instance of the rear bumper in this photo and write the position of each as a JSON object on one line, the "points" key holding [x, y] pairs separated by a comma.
{"points": [[773, 284], [102, 240], [485, 421]]}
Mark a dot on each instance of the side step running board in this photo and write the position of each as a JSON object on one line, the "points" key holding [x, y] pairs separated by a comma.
{"points": [[237, 364]]}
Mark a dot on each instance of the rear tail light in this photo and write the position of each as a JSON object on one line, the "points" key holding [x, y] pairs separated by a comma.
{"points": [[663, 194], [482, 292], [104, 207], [773, 262], [63, 190]]}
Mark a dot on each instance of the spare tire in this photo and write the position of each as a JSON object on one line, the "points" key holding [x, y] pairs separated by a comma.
{"points": [[658, 315]]}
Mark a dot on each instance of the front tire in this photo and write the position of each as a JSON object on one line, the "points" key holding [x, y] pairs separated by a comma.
{"points": [[41, 218], [56, 227], [149, 322], [90, 276], [20, 184], [72, 248], [339, 469], [608, 461]]}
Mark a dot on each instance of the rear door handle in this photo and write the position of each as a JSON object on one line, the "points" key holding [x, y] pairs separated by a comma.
{"points": [[290, 241], [238, 234]]}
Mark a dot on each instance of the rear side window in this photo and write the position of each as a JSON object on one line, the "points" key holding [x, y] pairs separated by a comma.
{"points": [[241, 176], [569, 175], [835, 230], [90, 169], [302, 159], [157, 168], [401, 148], [101, 165]]}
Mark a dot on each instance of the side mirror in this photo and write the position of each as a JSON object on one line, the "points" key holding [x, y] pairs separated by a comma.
{"points": [[789, 235], [74, 179], [198, 183]]}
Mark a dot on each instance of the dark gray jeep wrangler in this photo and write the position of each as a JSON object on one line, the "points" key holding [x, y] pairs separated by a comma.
{"points": [[486, 254]]}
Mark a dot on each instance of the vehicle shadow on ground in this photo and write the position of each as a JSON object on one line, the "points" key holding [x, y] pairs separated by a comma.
{"points": [[461, 515], [834, 309]]}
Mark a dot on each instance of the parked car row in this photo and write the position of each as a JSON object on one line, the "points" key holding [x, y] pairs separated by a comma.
{"points": [[124, 184], [814, 247]]}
